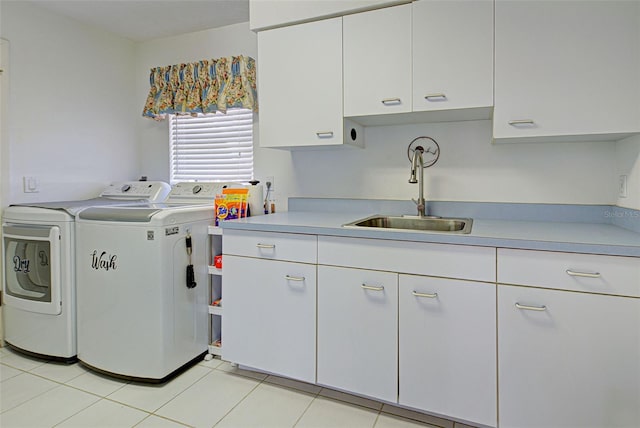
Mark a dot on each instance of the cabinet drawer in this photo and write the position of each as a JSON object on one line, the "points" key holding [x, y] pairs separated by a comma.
{"points": [[452, 261], [270, 245], [576, 272]]}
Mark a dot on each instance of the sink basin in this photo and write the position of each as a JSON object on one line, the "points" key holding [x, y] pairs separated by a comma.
{"points": [[414, 223]]}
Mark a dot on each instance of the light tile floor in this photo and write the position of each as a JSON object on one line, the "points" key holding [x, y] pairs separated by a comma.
{"points": [[35, 393]]}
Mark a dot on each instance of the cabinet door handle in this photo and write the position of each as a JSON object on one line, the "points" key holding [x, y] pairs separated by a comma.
{"points": [[531, 308], [521, 122], [325, 134], [373, 288], [391, 101], [429, 295], [269, 246], [435, 97], [294, 278], [583, 274]]}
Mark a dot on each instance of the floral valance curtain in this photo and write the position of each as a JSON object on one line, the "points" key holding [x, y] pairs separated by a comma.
{"points": [[206, 86]]}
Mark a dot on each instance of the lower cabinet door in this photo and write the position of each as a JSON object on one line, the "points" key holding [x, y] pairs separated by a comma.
{"points": [[358, 331], [447, 347], [567, 359], [270, 316]]}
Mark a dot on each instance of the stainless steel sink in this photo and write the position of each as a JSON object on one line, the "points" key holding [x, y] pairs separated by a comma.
{"points": [[414, 223]]}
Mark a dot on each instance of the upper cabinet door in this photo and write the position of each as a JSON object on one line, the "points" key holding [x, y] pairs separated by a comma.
{"points": [[567, 69], [300, 85], [264, 14], [377, 61], [452, 54]]}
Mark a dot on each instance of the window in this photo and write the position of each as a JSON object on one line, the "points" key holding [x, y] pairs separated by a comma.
{"points": [[212, 147]]}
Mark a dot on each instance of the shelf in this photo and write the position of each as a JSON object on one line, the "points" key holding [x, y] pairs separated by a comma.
{"points": [[215, 230], [215, 310], [215, 291], [215, 350]]}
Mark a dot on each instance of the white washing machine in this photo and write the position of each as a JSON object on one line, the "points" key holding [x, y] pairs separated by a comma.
{"points": [[141, 316], [39, 307]]}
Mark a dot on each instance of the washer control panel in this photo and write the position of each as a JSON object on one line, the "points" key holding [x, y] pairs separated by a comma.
{"points": [[153, 191], [199, 190]]}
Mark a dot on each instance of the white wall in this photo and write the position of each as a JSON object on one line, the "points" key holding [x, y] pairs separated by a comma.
{"points": [[470, 168], [4, 86], [628, 163], [71, 115]]}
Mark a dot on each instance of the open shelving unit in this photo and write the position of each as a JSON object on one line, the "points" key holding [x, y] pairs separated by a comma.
{"points": [[215, 293]]}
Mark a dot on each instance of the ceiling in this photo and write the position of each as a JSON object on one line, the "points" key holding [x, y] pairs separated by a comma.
{"points": [[141, 20]]}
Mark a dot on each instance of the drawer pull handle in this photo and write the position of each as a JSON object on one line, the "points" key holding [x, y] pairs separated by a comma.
{"points": [[269, 246], [436, 97], [583, 274], [531, 308], [429, 295], [325, 134], [391, 101], [520, 122], [370, 287], [294, 278]]}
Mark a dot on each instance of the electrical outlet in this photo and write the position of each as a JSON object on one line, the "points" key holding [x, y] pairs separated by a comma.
{"points": [[622, 186], [269, 179]]}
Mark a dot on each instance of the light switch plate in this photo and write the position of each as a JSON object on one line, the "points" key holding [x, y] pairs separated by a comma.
{"points": [[30, 184]]}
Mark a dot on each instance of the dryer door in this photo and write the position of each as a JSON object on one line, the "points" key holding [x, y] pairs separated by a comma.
{"points": [[32, 268]]}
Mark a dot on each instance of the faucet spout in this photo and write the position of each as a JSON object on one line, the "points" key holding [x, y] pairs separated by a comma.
{"points": [[417, 163]]}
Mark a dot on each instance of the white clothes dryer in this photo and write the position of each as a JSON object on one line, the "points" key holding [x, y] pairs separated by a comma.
{"points": [[143, 284], [39, 307]]}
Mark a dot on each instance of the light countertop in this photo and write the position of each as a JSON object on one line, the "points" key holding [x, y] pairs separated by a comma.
{"points": [[591, 238]]}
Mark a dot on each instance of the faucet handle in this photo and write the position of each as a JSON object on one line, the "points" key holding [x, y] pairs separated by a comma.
{"points": [[415, 202]]}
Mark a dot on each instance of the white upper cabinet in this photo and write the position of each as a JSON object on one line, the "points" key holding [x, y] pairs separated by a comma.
{"points": [[300, 86], [431, 60], [377, 62], [566, 70], [453, 55], [265, 14]]}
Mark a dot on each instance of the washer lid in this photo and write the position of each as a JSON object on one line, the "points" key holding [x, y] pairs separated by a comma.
{"points": [[130, 213], [137, 215], [73, 207]]}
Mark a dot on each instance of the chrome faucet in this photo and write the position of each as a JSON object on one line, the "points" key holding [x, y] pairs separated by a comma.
{"points": [[417, 162]]}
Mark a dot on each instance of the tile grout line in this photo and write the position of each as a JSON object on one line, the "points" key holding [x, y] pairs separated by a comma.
{"points": [[100, 397], [380, 411], [35, 396], [165, 418], [241, 400], [79, 411], [178, 394], [308, 406]]}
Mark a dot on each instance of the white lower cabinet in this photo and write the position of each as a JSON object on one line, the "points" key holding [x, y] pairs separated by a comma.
{"points": [[567, 359], [358, 331], [447, 347], [519, 338], [270, 316]]}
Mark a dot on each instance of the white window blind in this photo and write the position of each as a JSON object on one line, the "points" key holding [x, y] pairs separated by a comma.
{"points": [[212, 147]]}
